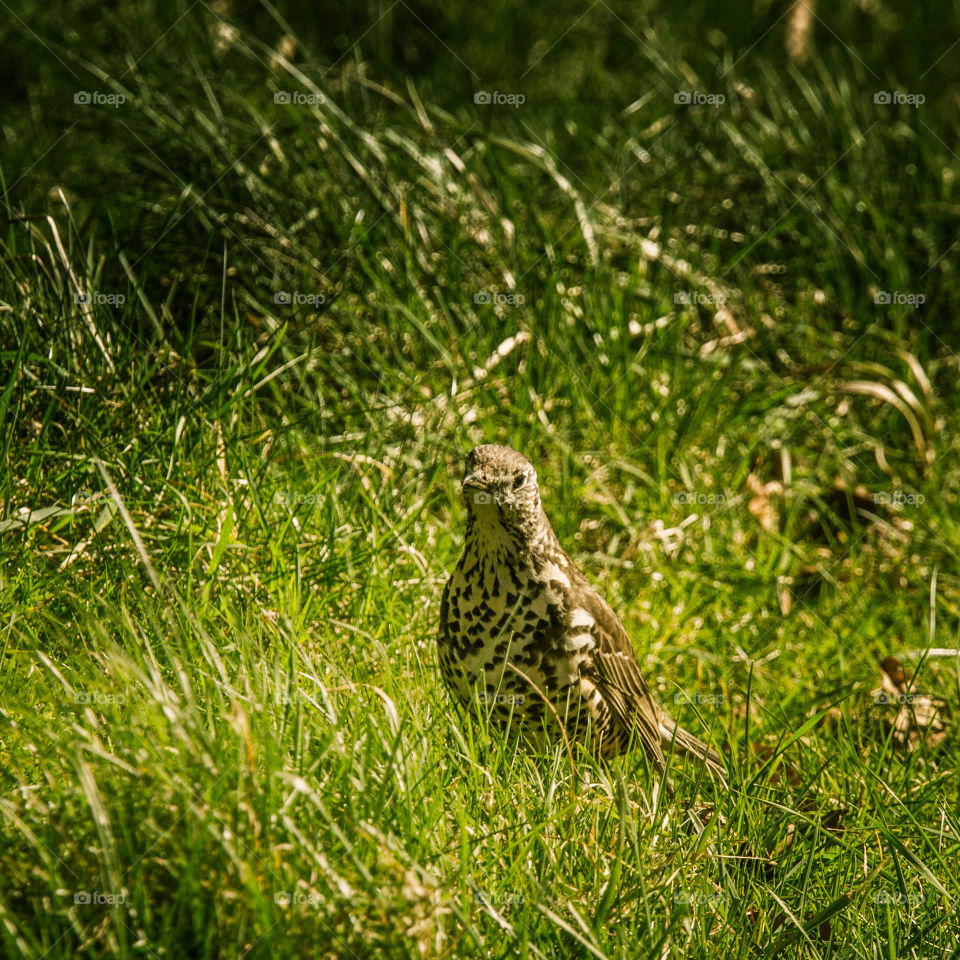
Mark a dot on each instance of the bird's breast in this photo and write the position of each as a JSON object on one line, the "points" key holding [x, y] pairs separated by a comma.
{"points": [[508, 629]]}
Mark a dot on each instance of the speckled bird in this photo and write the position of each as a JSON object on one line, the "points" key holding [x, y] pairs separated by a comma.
{"points": [[524, 633]]}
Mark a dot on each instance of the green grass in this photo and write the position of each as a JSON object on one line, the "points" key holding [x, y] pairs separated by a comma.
{"points": [[227, 517]]}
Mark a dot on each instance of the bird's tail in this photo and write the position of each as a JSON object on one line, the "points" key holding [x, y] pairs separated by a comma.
{"points": [[673, 735]]}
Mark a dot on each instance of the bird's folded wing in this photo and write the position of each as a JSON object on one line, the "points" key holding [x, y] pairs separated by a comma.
{"points": [[618, 678], [620, 681]]}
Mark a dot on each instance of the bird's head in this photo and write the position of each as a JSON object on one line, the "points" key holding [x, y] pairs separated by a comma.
{"points": [[500, 489]]}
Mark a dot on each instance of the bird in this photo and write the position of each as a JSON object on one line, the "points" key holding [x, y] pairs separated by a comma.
{"points": [[523, 633]]}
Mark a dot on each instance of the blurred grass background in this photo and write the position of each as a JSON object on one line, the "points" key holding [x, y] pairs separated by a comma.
{"points": [[262, 291]]}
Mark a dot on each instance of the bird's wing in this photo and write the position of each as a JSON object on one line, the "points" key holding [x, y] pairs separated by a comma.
{"points": [[617, 676], [620, 682]]}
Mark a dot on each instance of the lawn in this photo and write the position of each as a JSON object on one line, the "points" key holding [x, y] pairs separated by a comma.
{"points": [[267, 273]]}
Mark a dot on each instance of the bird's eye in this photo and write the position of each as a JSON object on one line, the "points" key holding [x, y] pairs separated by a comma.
{"points": [[520, 481]]}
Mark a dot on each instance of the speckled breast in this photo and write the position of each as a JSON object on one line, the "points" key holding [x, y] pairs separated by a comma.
{"points": [[502, 640]]}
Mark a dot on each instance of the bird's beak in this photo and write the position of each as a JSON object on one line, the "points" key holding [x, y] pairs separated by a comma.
{"points": [[474, 480]]}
